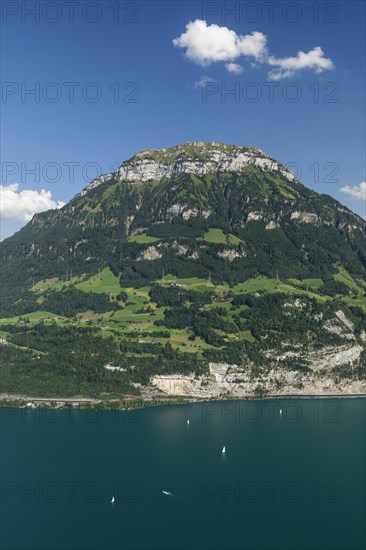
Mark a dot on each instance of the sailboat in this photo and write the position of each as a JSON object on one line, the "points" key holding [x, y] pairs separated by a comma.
{"points": [[223, 449], [188, 422], [113, 500], [281, 412]]}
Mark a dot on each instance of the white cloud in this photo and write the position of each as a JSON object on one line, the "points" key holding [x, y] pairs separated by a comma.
{"points": [[356, 192], [22, 205], [202, 81], [288, 66], [234, 68], [206, 44]]}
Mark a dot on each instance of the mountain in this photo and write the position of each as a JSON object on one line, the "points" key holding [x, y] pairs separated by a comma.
{"points": [[197, 255]]}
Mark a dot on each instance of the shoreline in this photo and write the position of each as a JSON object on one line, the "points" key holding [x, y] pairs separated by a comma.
{"points": [[21, 401]]}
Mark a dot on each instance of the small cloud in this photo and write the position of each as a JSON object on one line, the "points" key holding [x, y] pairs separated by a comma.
{"points": [[22, 205], [356, 192], [234, 68], [286, 67], [203, 81], [205, 44]]}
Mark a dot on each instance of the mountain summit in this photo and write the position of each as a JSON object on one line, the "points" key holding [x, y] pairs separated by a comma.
{"points": [[177, 195], [192, 158]]}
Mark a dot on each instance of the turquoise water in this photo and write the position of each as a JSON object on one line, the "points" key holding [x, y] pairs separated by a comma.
{"points": [[292, 481]]}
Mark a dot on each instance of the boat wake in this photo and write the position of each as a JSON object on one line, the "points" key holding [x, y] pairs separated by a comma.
{"points": [[169, 494]]}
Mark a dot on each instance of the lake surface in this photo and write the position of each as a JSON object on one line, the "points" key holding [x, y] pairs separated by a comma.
{"points": [[292, 481]]}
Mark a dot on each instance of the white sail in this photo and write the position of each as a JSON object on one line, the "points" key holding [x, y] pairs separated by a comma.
{"points": [[223, 449], [113, 500], [188, 422]]}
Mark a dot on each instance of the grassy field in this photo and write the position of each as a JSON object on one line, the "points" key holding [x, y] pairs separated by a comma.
{"points": [[53, 284], [344, 277], [138, 313], [356, 302], [102, 282], [312, 283], [265, 284], [193, 283], [143, 238], [179, 339], [134, 311], [257, 284], [33, 317], [217, 236]]}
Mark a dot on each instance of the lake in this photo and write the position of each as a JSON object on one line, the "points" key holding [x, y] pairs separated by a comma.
{"points": [[293, 480]]}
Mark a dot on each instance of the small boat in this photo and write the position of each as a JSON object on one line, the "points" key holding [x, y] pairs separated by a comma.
{"points": [[223, 449], [188, 422], [166, 492], [281, 412], [113, 500]]}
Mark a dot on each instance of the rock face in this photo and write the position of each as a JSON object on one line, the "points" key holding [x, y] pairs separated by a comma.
{"points": [[230, 254], [176, 384], [234, 381], [305, 217], [151, 253], [105, 178], [146, 169], [271, 225], [281, 375], [217, 383], [213, 157]]}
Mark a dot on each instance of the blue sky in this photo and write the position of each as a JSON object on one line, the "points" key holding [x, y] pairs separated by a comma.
{"points": [[172, 93]]}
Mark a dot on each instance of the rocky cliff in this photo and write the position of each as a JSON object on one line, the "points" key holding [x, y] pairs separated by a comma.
{"points": [[192, 158]]}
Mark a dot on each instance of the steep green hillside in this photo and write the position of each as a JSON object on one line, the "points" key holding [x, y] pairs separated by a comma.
{"points": [[197, 253]]}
